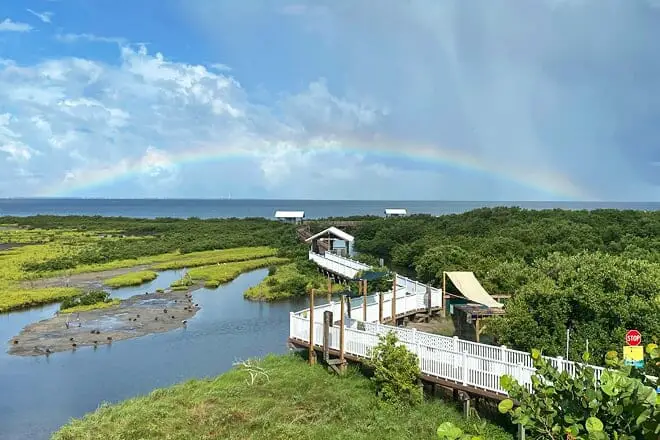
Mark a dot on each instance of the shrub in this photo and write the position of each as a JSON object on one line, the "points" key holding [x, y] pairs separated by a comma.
{"points": [[617, 407], [449, 431], [86, 299], [396, 371]]}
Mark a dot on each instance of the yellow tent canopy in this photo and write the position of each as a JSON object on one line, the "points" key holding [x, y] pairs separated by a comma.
{"points": [[472, 289]]}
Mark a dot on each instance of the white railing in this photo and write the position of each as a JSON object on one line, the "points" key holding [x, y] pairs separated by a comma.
{"points": [[346, 261], [333, 266], [450, 358]]}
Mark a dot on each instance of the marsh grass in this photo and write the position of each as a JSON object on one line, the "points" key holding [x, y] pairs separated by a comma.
{"points": [[286, 281], [94, 306], [131, 279], [224, 272], [295, 401]]}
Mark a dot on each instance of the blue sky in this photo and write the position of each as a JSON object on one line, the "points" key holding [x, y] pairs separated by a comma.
{"points": [[337, 99]]}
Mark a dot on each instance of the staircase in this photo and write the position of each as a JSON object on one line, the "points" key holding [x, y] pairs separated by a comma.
{"points": [[304, 232]]}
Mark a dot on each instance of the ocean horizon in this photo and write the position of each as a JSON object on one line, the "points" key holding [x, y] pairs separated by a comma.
{"points": [[265, 208]]}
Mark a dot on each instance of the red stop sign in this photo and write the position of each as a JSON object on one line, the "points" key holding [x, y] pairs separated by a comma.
{"points": [[633, 337]]}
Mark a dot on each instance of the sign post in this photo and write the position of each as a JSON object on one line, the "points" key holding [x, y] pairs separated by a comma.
{"points": [[633, 352]]}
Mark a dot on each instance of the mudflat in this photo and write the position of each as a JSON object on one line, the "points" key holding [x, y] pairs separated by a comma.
{"points": [[134, 317], [85, 279]]}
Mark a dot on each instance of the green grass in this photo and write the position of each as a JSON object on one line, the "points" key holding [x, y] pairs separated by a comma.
{"points": [[95, 306], [206, 258], [16, 298], [131, 279], [285, 282], [225, 272], [297, 402]]}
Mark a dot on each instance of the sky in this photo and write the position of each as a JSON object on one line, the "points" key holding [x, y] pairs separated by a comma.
{"points": [[331, 99]]}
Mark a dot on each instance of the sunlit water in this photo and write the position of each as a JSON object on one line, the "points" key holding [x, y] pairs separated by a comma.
{"points": [[39, 394]]}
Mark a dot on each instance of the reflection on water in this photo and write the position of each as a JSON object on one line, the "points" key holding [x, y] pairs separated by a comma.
{"points": [[40, 394]]}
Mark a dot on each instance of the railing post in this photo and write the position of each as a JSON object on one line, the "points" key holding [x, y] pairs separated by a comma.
{"points": [[311, 352], [465, 368], [394, 301], [455, 350], [560, 364], [503, 359], [342, 323], [364, 302], [380, 307]]}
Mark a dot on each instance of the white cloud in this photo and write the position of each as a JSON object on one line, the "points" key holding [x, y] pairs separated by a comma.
{"points": [[45, 16], [7, 25], [74, 38], [78, 121], [221, 67], [170, 128]]}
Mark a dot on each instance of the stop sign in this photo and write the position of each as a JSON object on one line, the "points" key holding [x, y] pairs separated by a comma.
{"points": [[633, 337]]}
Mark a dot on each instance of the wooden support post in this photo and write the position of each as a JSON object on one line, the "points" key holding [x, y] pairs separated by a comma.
{"points": [[476, 328], [364, 300], [342, 324], [444, 293], [329, 289], [311, 353], [394, 300], [429, 304], [467, 403], [348, 300], [327, 323], [380, 307]]}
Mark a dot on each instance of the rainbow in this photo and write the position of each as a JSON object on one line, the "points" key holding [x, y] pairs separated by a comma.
{"points": [[551, 183]]}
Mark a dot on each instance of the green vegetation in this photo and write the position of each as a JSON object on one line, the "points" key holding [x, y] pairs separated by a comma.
{"points": [[225, 272], [292, 279], [15, 299], [85, 308], [561, 406], [221, 273], [596, 272], [64, 246], [131, 279], [396, 372], [206, 258], [277, 398], [95, 299], [184, 282]]}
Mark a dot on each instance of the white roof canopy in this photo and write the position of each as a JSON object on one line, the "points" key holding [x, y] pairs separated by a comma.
{"points": [[289, 214], [338, 233], [395, 211], [472, 289]]}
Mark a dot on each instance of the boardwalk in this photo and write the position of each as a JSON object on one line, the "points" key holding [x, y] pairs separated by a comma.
{"points": [[453, 362]]}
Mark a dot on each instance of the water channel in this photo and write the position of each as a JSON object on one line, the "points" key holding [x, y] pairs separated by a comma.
{"points": [[39, 394]]}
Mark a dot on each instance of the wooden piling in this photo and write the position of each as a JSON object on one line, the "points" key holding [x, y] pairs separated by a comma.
{"points": [[429, 304], [327, 323], [311, 352], [348, 305], [342, 324], [394, 300], [380, 307]]}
